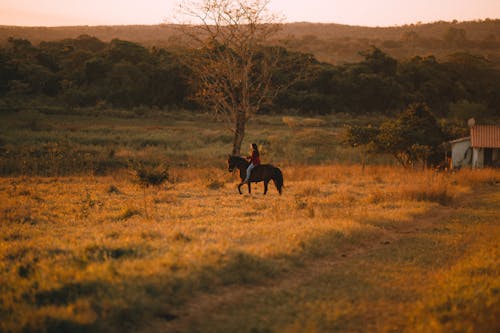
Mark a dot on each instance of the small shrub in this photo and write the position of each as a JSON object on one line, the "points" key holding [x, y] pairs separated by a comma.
{"points": [[151, 175], [182, 237], [87, 203], [112, 189], [128, 213], [25, 270]]}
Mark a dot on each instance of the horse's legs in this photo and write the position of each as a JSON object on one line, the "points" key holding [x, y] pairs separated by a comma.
{"points": [[265, 186], [249, 187], [239, 188]]}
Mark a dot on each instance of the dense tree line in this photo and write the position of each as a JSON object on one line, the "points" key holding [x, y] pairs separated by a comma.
{"points": [[333, 43], [87, 72], [381, 84]]}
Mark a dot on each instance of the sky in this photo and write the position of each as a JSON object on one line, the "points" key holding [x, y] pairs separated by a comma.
{"points": [[352, 12]]}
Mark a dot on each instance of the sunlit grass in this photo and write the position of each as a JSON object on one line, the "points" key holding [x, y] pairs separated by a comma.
{"points": [[40, 144], [134, 224], [104, 253]]}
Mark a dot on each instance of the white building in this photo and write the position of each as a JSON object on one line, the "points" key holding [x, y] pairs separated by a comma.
{"points": [[481, 149]]}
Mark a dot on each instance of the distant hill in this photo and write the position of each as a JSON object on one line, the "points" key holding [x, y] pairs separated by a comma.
{"points": [[337, 43], [334, 43]]}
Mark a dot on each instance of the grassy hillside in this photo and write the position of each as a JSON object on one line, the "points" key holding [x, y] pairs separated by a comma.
{"points": [[333, 43]]}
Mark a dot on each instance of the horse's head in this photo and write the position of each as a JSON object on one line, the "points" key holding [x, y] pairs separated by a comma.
{"points": [[231, 162]]}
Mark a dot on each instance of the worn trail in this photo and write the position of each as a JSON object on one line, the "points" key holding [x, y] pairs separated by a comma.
{"points": [[218, 306]]}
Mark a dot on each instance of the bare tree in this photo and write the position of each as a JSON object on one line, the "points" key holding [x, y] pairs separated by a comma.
{"points": [[233, 68]]}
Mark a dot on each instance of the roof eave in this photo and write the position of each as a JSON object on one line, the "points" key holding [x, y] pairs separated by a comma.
{"points": [[460, 140]]}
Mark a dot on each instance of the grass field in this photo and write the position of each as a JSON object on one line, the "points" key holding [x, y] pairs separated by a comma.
{"points": [[343, 249], [86, 142]]}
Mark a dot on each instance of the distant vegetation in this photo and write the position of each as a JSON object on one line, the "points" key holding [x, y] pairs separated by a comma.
{"points": [[339, 44], [414, 136], [88, 72], [86, 76], [333, 43]]}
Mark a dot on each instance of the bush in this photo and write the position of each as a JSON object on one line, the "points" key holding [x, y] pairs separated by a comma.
{"points": [[151, 175]]}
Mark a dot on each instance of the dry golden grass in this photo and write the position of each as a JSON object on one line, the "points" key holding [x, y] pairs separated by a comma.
{"points": [[103, 254], [302, 122]]}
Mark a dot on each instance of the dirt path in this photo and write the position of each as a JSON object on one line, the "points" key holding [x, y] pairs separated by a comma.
{"points": [[225, 298]]}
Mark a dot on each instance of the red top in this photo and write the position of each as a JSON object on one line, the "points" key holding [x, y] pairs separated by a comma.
{"points": [[254, 159]]}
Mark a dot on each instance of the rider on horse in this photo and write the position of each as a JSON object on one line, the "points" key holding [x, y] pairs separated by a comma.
{"points": [[254, 159]]}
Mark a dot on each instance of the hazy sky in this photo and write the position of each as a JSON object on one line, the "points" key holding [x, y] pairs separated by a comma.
{"points": [[354, 12]]}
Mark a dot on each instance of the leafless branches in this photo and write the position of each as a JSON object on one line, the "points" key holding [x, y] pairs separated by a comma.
{"points": [[233, 67]]}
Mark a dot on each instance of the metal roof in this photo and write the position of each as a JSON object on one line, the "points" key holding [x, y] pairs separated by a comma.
{"points": [[485, 136]]}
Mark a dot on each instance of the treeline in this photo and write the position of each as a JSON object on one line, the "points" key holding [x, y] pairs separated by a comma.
{"points": [[408, 44], [333, 43], [465, 85], [87, 72]]}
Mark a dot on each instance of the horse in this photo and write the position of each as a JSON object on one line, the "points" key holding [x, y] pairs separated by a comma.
{"points": [[262, 172]]}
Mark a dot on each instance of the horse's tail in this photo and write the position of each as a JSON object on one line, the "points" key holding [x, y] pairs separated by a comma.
{"points": [[278, 179]]}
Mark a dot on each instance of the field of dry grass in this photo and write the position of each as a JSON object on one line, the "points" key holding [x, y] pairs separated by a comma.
{"points": [[342, 249]]}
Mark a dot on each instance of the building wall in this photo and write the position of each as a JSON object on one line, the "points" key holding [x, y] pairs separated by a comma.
{"points": [[461, 155], [478, 160], [496, 157], [478, 157]]}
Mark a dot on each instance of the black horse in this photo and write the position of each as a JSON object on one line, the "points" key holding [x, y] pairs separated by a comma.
{"points": [[261, 173]]}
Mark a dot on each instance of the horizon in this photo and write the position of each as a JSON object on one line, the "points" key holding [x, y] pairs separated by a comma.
{"points": [[294, 22], [59, 13]]}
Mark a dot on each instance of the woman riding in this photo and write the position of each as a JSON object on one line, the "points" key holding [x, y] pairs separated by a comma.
{"points": [[254, 161]]}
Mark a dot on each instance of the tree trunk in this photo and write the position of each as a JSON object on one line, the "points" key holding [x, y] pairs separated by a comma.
{"points": [[239, 133]]}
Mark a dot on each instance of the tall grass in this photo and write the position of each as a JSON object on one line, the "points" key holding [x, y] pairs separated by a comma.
{"points": [[54, 144], [96, 252], [76, 255]]}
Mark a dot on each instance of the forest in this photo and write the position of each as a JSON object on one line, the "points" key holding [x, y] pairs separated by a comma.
{"points": [[88, 72], [332, 43]]}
